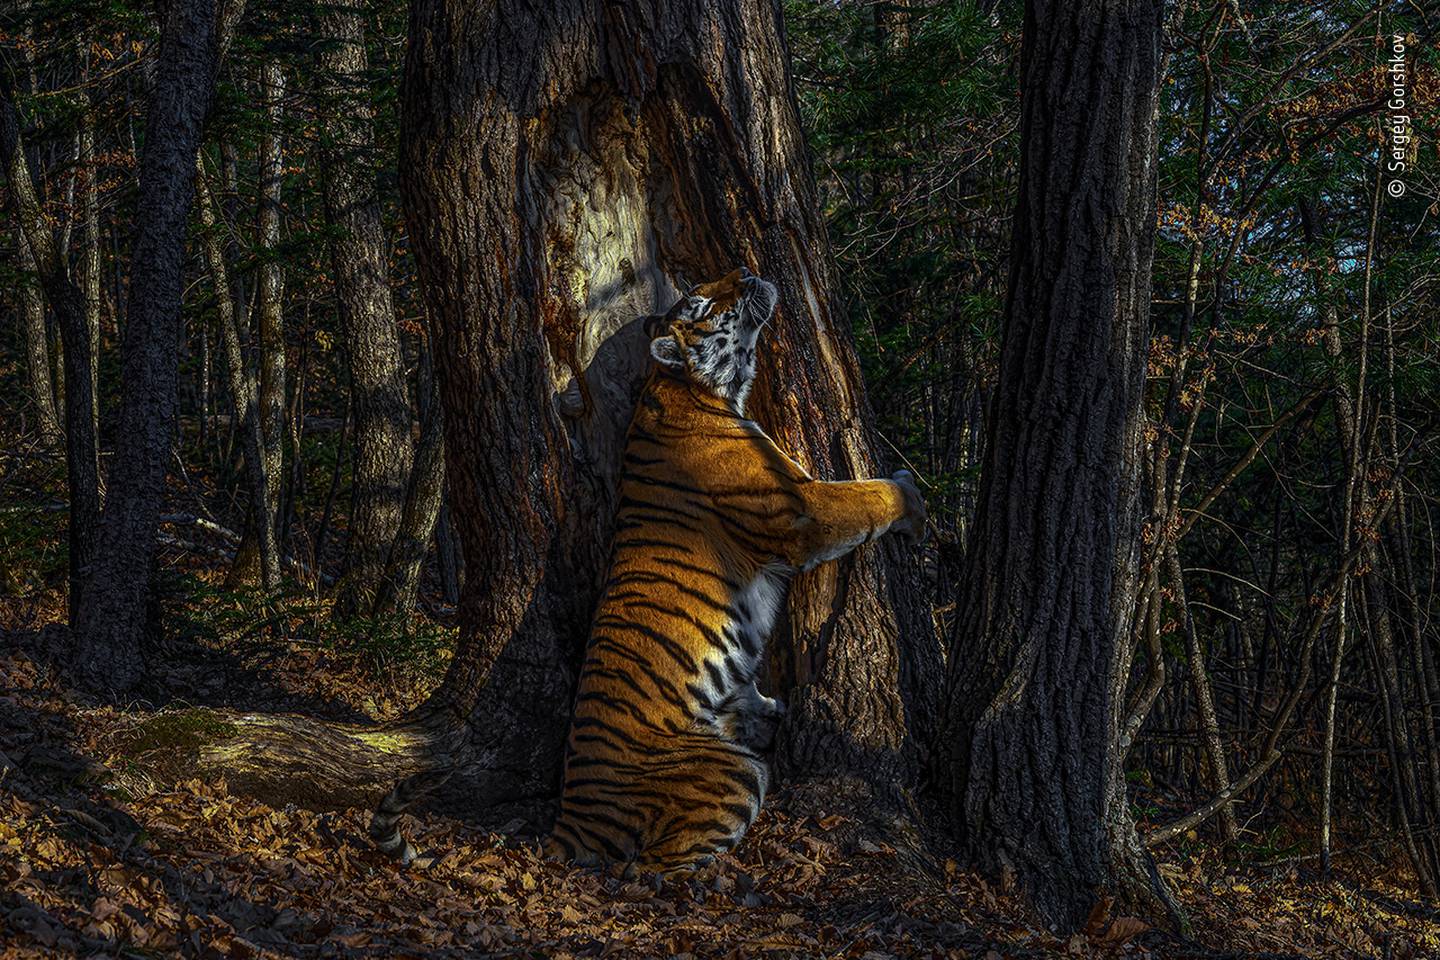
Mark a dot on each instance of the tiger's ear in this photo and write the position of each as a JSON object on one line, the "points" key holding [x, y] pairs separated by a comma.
{"points": [[668, 352]]}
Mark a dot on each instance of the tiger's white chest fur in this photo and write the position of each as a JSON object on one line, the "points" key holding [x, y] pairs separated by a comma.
{"points": [[731, 666]]}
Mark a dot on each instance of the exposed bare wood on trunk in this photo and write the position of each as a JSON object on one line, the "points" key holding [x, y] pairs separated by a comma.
{"points": [[550, 205]]}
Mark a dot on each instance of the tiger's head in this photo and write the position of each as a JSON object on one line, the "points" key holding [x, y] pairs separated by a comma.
{"points": [[709, 335]]}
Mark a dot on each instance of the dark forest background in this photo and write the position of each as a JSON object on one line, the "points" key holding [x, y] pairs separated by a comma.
{"points": [[1280, 697]]}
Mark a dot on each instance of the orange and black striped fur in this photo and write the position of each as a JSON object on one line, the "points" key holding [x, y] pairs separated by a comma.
{"points": [[665, 764]]}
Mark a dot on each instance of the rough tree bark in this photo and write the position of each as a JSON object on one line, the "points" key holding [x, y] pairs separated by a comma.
{"points": [[88, 272], [1041, 650], [110, 621], [270, 284], [360, 255], [563, 169]]}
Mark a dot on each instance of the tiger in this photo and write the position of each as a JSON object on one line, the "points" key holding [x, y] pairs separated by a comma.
{"points": [[666, 760]]}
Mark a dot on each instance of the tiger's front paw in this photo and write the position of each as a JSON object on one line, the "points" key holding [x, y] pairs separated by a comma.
{"points": [[912, 525], [757, 730]]}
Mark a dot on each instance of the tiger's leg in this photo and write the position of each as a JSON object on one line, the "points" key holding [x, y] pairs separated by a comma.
{"points": [[602, 816], [841, 515], [710, 815]]}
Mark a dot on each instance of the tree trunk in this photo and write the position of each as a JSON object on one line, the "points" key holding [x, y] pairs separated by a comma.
{"points": [[1041, 652], [37, 350], [270, 286], [89, 271], [422, 501], [447, 551], [563, 174], [383, 451], [110, 621], [249, 565], [1210, 742], [245, 409], [82, 457], [552, 202]]}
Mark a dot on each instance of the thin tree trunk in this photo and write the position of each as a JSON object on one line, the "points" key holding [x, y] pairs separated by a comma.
{"points": [[270, 287], [1219, 771], [327, 512], [1410, 802], [269, 336], [206, 389], [111, 619], [1358, 497], [383, 451], [245, 402], [37, 351], [401, 583], [295, 420], [89, 272], [1041, 650], [82, 457]]}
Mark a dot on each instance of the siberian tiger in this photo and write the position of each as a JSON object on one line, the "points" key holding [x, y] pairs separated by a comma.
{"points": [[665, 764]]}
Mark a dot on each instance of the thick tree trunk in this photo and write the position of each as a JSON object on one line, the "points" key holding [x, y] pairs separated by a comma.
{"points": [[1041, 651], [110, 620], [553, 192], [564, 171], [360, 254]]}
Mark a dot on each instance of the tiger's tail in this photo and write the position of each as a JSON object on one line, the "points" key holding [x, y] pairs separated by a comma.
{"points": [[384, 822]]}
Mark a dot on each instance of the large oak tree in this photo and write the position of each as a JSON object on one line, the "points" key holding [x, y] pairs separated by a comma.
{"points": [[565, 169]]}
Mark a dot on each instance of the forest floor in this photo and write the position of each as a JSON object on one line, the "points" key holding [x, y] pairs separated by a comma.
{"points": [[97, 859]]}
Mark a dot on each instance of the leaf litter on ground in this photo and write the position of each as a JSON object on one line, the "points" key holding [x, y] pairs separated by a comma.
{"points": [[89, 868]]}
